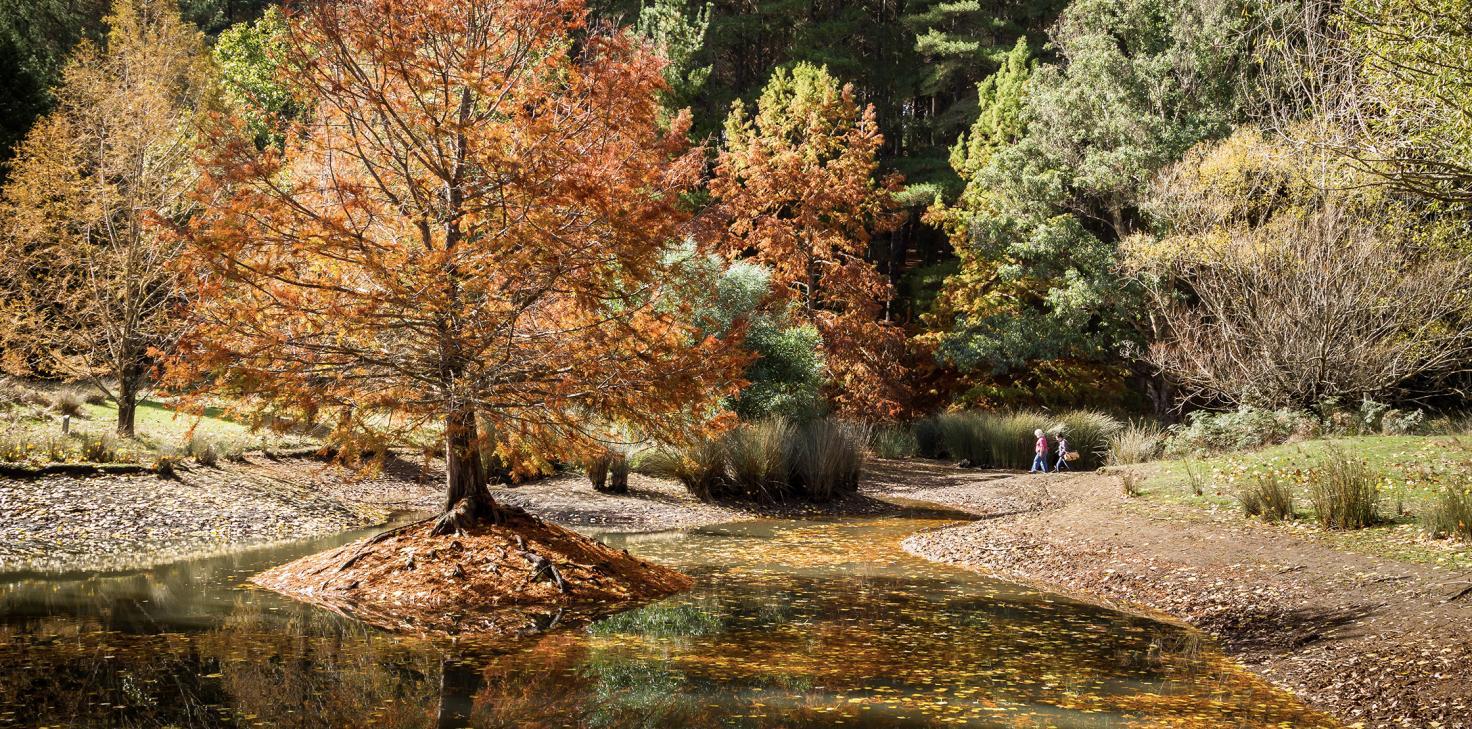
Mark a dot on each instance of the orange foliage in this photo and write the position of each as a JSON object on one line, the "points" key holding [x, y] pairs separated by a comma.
{"points": [[798, 182], [471, 221]]}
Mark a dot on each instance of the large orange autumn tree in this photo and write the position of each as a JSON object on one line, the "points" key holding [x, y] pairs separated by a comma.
{"points": [[466, 233], [799, 181]]}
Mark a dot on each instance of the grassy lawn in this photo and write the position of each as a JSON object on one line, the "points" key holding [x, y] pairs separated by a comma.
{"points": [[1411, 469], [33, 435]]}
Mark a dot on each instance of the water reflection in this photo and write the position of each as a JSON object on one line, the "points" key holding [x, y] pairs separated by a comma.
{"points": [[796, 624]]}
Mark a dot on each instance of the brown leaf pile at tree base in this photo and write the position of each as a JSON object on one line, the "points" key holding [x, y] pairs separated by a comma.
{"points": [[521, 576]]}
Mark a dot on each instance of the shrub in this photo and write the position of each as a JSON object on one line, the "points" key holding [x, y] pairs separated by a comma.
{"points": [[1235, 430], [1267, 496], [1344, 491], [68, 401], [893, 441], [1396, 422], [1136, 443], [1450, 512]]}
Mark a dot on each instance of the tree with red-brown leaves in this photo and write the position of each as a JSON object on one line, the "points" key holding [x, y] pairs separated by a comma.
{"points": [[799, 182], [466, 235]]}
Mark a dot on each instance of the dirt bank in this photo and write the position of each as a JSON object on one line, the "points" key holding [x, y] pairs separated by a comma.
{"points": [[1372, 641]]}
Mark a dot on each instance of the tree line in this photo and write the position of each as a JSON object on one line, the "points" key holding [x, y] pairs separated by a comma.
{"points": [[767, 208]]}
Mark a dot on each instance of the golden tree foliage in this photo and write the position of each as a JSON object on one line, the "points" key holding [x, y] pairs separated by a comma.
{"points": [[89, 288], [468, 232], [798, 179]]}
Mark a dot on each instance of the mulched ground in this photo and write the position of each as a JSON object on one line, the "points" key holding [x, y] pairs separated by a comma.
{"points": [[514, 578], [1376, 642]]}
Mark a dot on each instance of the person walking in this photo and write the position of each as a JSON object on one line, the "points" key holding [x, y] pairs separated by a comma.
{"points": [[1040, 453], [1062, 455]]}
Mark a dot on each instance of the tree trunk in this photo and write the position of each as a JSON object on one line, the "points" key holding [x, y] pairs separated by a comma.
{"points": [[127, 406], [467, 500], [459, 684]]}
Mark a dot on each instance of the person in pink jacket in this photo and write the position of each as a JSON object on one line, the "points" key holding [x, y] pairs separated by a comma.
{"points": [[1040, 453]]}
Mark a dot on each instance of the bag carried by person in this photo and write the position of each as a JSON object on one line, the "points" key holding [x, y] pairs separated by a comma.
{"points": [[1070, 456]]}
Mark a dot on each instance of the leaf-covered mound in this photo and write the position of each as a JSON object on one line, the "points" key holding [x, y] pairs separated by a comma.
{"points": [[520, 576]]}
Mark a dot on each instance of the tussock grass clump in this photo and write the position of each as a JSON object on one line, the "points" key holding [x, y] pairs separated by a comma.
{"points": [[1130, 483], [1344, 491], [1267, 496], [15, 394], [1449, 513], [825, 459], [1195, 478], [1089, 432], [929, 439], [597, 469], [1135, 443], [99, 449], [166, 466], [203, 450], [757, 458], [770, 460], [700, 467], [966, 437], [68, 401], [894, 441], [1005, 440]]}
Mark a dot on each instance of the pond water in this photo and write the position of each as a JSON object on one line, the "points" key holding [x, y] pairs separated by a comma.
{"points": [[791, 624]]}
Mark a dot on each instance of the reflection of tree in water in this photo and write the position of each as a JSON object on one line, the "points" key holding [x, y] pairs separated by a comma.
{"points": [[316, 669]]}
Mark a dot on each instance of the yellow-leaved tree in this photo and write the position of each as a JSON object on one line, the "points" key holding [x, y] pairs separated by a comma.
{"points": [[88, 290]]}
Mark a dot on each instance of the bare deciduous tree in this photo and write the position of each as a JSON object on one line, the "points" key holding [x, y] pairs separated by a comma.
{"points": [[1309, 307], [1384, 84]]}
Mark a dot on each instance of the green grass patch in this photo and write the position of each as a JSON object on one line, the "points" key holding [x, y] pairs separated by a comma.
{"points": [[1411, 476], [34, 435]]}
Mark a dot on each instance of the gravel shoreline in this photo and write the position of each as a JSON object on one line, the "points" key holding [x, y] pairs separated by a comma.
{"points": [[134, 521], [117, 522], [1375, 642]]}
